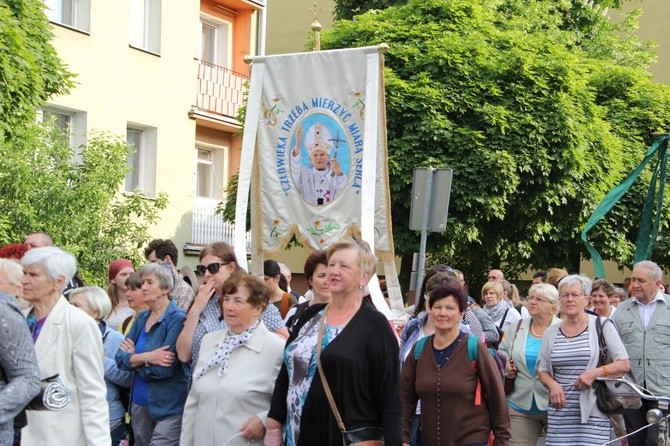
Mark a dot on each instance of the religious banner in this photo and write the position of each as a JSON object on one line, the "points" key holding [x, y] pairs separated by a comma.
{"points": [[314, 152]]}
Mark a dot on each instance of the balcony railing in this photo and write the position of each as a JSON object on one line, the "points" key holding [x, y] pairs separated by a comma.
{"points": [[220, 90], [209, 227]]}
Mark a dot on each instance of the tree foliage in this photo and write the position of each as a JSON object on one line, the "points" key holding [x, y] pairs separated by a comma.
{"points": [[540, 107], [44, 184], [30, 70], [77, 202]]}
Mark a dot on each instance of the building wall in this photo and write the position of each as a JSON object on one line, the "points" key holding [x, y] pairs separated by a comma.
{"points": [[654, 25], [117, 85]]}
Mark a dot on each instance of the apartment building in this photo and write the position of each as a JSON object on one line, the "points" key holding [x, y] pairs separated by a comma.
{"points": [[168, 76]]}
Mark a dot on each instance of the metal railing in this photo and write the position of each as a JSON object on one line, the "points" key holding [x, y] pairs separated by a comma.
{"points": [[220, 90], [209, 227]]}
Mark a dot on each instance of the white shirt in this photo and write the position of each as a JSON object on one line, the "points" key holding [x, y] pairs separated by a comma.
{"points": [[647, 310]]}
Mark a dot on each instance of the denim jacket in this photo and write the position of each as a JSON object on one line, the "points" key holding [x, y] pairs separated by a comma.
{"points": [[168, 386]]}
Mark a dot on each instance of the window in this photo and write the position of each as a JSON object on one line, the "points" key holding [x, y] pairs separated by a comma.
{"points": [[72, 13], [211, 171], [145, 25], [71, 122], [215, 42], [141, 160]]}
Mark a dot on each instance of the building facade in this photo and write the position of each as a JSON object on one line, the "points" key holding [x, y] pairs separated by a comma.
{"points": [[170, 77]]}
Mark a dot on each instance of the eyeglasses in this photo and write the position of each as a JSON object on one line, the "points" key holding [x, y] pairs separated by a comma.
{"points": [[538, 299], [213, 268], [572, 295]]}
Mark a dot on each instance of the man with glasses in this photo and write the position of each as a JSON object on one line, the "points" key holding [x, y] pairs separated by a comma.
{"points": [[165, 252], [644, 325]]}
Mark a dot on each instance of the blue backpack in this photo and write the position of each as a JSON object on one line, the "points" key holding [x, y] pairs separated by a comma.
{"points": [[473, 355]]}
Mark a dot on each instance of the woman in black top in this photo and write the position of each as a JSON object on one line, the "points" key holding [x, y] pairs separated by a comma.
{"points": [[359, 359]]}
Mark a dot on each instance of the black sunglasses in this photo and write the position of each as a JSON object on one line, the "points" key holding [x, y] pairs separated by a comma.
{"points": [[213, 268]]}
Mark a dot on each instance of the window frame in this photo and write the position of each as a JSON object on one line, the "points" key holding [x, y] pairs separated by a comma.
{"points": [[78, 19]]}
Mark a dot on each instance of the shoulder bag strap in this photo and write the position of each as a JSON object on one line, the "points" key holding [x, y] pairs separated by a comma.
{"points": [[511, 350], [502, 322], [602, 356], [324, 382]]}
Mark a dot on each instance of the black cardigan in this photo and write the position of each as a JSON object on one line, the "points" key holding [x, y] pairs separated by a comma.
{"points": [[361, 365]]}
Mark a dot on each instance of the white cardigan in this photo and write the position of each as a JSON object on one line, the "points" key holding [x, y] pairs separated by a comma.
{"points": [[217, 407], [70, 345], [587, 397]]}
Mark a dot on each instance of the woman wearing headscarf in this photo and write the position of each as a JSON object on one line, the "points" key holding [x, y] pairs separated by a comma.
{"points": [[350, 342], [234, 377], [529, 400], [68, 343]]}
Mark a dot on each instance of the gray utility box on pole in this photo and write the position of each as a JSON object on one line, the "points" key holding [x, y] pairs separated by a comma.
{"points": [[431, 189]]}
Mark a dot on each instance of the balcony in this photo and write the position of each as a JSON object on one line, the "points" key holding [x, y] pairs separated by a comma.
{"points": [[209, 227], [220, 93]]}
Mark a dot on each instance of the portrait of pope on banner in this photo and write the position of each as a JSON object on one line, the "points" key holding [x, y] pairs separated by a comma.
{"points": [[317, 172]]}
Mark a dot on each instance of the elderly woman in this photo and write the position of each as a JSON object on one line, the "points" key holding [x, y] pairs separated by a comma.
{"points": [[11, 276], [68, 343], [218, 263], [355, 342], [95, 302], [440, 374], [569, 366], [19, 373], [234, 377], [316, 270], [119, 271], [497, 307], [529, 400], [601, 293], [160, 381]]}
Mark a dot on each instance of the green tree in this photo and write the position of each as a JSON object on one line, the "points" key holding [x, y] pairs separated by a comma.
{"points": [[44, 184], [30, 70], [514, 96], [44, 188]]}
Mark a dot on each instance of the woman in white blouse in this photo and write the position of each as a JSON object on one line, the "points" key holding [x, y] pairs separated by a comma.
{"points": [[236, 370]]}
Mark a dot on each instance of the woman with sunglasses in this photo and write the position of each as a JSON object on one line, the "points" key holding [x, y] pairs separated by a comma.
{"points": [[217, 263]]}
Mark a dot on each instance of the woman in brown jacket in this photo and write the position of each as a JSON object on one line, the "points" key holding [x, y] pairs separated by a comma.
{"points": [[460, 405]]}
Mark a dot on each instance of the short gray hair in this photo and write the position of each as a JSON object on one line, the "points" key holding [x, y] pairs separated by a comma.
{"points": [[55, 262], [547, 290], [12, 270], [96, 299], [163, 273], [578, 279], [653, 268]]}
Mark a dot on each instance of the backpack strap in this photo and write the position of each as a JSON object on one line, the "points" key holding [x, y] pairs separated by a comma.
{"points": [[473, 356], [418, 347]]}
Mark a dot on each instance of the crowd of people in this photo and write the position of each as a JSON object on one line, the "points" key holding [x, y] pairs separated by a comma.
{"points": [[240, 359]]}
